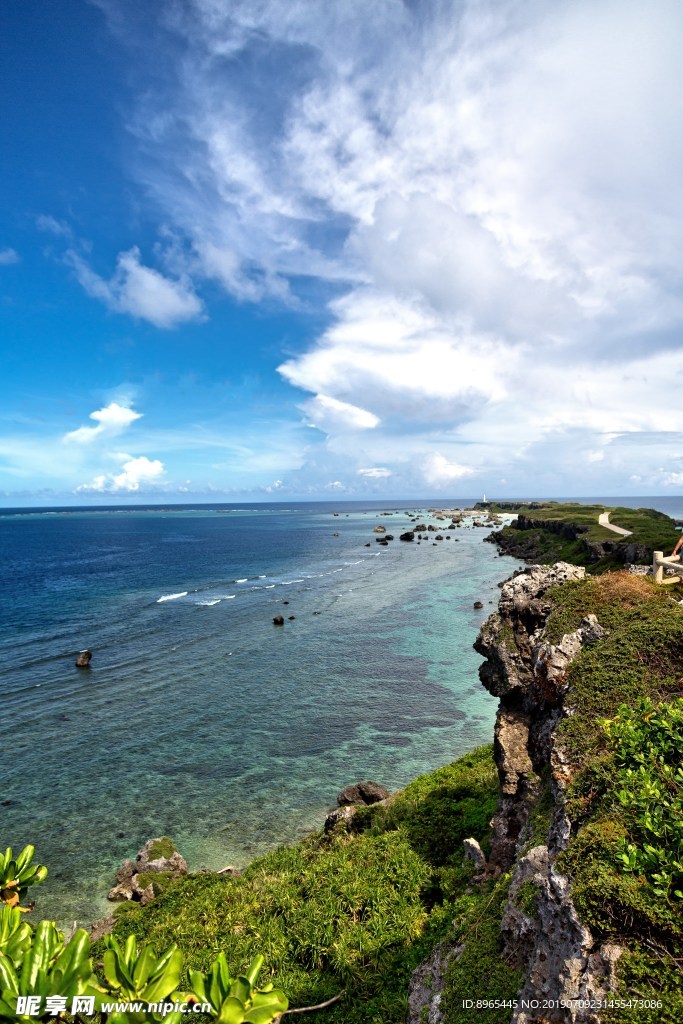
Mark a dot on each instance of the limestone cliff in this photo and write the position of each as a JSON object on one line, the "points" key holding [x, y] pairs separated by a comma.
{"points": [[543, 935]]}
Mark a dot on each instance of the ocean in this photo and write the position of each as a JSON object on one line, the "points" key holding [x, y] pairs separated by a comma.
{"points": [[199, 718]]}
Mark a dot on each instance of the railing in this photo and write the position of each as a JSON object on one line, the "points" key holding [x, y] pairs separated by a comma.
{"points": [[660, 563]]}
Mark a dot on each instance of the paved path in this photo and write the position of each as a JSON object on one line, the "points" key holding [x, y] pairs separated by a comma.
{"points": [[603, 520]]}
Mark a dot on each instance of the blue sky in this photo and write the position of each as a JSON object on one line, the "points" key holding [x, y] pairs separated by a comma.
{"points": [[280, 249]]}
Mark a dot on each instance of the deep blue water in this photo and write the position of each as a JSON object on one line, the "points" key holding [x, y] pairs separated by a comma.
{"points": [[199, 718]]}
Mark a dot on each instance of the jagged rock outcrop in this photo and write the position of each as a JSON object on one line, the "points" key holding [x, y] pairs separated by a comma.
{"points": [[545, 938], [563, 965], [529, 676], [426, 986]]}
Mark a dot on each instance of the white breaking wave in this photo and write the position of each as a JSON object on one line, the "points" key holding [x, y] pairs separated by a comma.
{"points": [[241, 581], [207, 604], [172, 597]]}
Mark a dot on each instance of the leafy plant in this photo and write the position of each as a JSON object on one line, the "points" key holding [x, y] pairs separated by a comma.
{"points": [[134, 976], [237, 1001], [16, 875], [47, 968], [648, 746], [15, 934]]}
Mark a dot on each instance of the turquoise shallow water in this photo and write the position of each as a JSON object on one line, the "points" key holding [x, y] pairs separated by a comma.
{"points": [[201, 719]]}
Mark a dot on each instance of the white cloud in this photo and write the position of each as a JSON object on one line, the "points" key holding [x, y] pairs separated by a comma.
{"points": [[111, 420], [375, 472], [135, 472], [139, 290], [496, 186], [328, 414], [438, 470], [8, 256]]}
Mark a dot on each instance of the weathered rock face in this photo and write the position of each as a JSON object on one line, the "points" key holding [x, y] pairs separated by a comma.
{"points": [[83, 659], [558, 954], [545, 938], [426, 985], [529, 676]]}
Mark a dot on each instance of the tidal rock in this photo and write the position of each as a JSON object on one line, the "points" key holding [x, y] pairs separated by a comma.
{"points": [[278, 620], [379, 529], [362, 793], [83, 660], [291, 617], [408, 535], [478, 604], [160, 855]]}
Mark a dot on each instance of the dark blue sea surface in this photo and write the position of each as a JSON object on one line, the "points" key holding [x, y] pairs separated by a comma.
{"points": [[201, 719]]}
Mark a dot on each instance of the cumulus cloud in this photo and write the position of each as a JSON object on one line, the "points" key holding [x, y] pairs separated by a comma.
{"points": [[139, 290], [438, 470], [8, 256], [135, 472], [113, 419], [494, 187]]}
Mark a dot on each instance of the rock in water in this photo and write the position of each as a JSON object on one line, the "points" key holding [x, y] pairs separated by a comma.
{"points": [[408, 535], [278, 620], [367, 792], [158, 857], [83, 660]]}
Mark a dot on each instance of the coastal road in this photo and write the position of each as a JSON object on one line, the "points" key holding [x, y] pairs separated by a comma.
{"points": [[603, 520]]}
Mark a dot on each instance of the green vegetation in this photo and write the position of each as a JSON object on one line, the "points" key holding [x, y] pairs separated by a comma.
{"points": [[648, 753], [17, 874], [480, 971], [573, 531], [624, 742], [46, 974], [162, 847], [355, 910]]}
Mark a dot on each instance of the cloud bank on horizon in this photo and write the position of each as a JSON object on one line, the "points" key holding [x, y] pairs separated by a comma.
{"points": [[485, 200]]}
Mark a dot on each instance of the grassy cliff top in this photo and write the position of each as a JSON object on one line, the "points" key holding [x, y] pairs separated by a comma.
{"points": [[648, 526]]}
